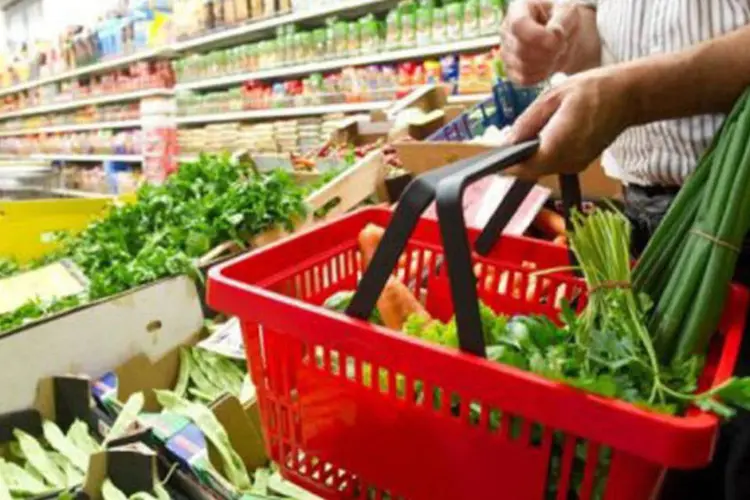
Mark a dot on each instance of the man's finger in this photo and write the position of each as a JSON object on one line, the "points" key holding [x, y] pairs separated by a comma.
{"points": [[528, 31], [533, 120]]}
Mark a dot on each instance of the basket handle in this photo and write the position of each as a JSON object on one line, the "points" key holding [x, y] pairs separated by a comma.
{"points": [[446, 186]]}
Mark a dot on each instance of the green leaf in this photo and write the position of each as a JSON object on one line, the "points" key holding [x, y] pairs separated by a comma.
{"points": [[39, 460], [60, 443], [111, 492], [126, 419]]}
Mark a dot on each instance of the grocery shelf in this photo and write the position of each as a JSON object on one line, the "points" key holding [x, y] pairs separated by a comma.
{"points": [[86, 158], [257, 28], [72, 127], [91, 69], [91, 101], [320, 66], [258, 114], [468, 98]]}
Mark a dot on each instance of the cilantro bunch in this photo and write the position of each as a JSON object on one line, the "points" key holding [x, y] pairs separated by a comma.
{"points": [[204, 204]]}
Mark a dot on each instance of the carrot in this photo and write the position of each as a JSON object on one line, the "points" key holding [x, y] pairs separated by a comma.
{"points": [[396, 302], [561, 240], [550, 223]]}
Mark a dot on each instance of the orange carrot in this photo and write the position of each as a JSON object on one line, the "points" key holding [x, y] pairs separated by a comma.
{"points": [[550, 223], [396, 302]]}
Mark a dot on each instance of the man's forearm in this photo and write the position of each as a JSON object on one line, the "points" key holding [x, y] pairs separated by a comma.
{"points": [[585, 52], [706, 78]]}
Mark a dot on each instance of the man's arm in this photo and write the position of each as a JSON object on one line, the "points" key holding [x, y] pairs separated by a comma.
{"points": [[706, 78], [579, 119]]}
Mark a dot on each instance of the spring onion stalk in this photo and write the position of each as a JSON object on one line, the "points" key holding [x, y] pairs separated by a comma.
{"points": [[688, 265]]}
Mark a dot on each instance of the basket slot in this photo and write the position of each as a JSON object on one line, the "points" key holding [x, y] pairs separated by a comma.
{"points": [[590, 468], [566, 467]]}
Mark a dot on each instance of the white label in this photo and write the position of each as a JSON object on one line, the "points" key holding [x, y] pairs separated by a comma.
{"points": [[227, 341]]}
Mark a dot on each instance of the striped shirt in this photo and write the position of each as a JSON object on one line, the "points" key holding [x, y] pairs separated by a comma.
{"points": [[665, 152]]}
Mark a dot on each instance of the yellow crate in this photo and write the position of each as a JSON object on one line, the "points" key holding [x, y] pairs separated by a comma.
{"points": [[27, 227]]}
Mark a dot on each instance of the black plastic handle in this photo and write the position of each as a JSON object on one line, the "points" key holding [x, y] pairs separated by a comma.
{"points": [[446, 186]]}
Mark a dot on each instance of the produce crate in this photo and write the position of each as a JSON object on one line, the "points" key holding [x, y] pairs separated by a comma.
{"points": [[353, 410], [33, 223]]}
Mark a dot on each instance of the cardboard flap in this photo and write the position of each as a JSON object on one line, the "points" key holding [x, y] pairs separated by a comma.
{"points": [[131, 469], [72, 400], [244, 435], [426, 98], [139, 374]]}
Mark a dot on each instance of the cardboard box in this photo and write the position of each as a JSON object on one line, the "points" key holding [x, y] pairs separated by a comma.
{"points": [[126, 462], [180, 440], [93, 338], [420, 157]]}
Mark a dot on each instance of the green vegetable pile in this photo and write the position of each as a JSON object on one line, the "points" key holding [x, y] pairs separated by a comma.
{"points": [[204, 204], [607, 350], [206, 376], [59, 461]]}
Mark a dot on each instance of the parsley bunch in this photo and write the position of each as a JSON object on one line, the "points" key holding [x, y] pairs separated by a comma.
{"points": [[204, 204]]}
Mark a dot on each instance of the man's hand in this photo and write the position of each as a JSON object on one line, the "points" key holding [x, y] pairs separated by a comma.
{"points": [[575, 122], [539, 39]]}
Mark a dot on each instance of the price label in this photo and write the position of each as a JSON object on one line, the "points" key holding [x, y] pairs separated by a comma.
{"points": [[226, 341]]}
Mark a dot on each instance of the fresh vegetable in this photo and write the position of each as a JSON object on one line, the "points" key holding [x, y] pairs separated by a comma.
{"points": [[550, 223], [37, 467], [396, 303], [204, 204], [201, 416], [691, 258]]}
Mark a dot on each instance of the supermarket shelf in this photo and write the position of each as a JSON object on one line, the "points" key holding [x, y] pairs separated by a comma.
{"points": [[92, 69], [86, 158], [77, 127], [378, 58], [259, 114], [259, 28], [92, 101], [468, 98]]}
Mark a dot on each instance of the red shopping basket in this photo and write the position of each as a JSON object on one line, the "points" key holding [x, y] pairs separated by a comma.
{"points": [[353, 410]]}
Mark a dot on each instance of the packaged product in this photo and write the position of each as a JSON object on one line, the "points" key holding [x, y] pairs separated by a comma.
{"points": [[489, 17], [341, 38], [450, 71], [408, 29], [454, 14], [439, 25], [369, 35], [353, 37], [471, 19], [393, 29], [424, 26]]}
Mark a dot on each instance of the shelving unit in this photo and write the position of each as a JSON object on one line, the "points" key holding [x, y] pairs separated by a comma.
{"points": [[92, 101], [256, 29], [258, 114], [332, 64], [249, 32], [73, 127]]}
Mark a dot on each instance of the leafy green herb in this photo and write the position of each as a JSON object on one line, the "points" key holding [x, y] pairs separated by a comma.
{"points": [[204, 204]]}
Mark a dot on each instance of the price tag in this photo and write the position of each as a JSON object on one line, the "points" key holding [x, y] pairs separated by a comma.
{"points": [[226, 341], [54, 281]]}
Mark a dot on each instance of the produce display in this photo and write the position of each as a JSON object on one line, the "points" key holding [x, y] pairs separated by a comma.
{"points": [[169, 227], [59, 461], [340, 39], [125, 142]]}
